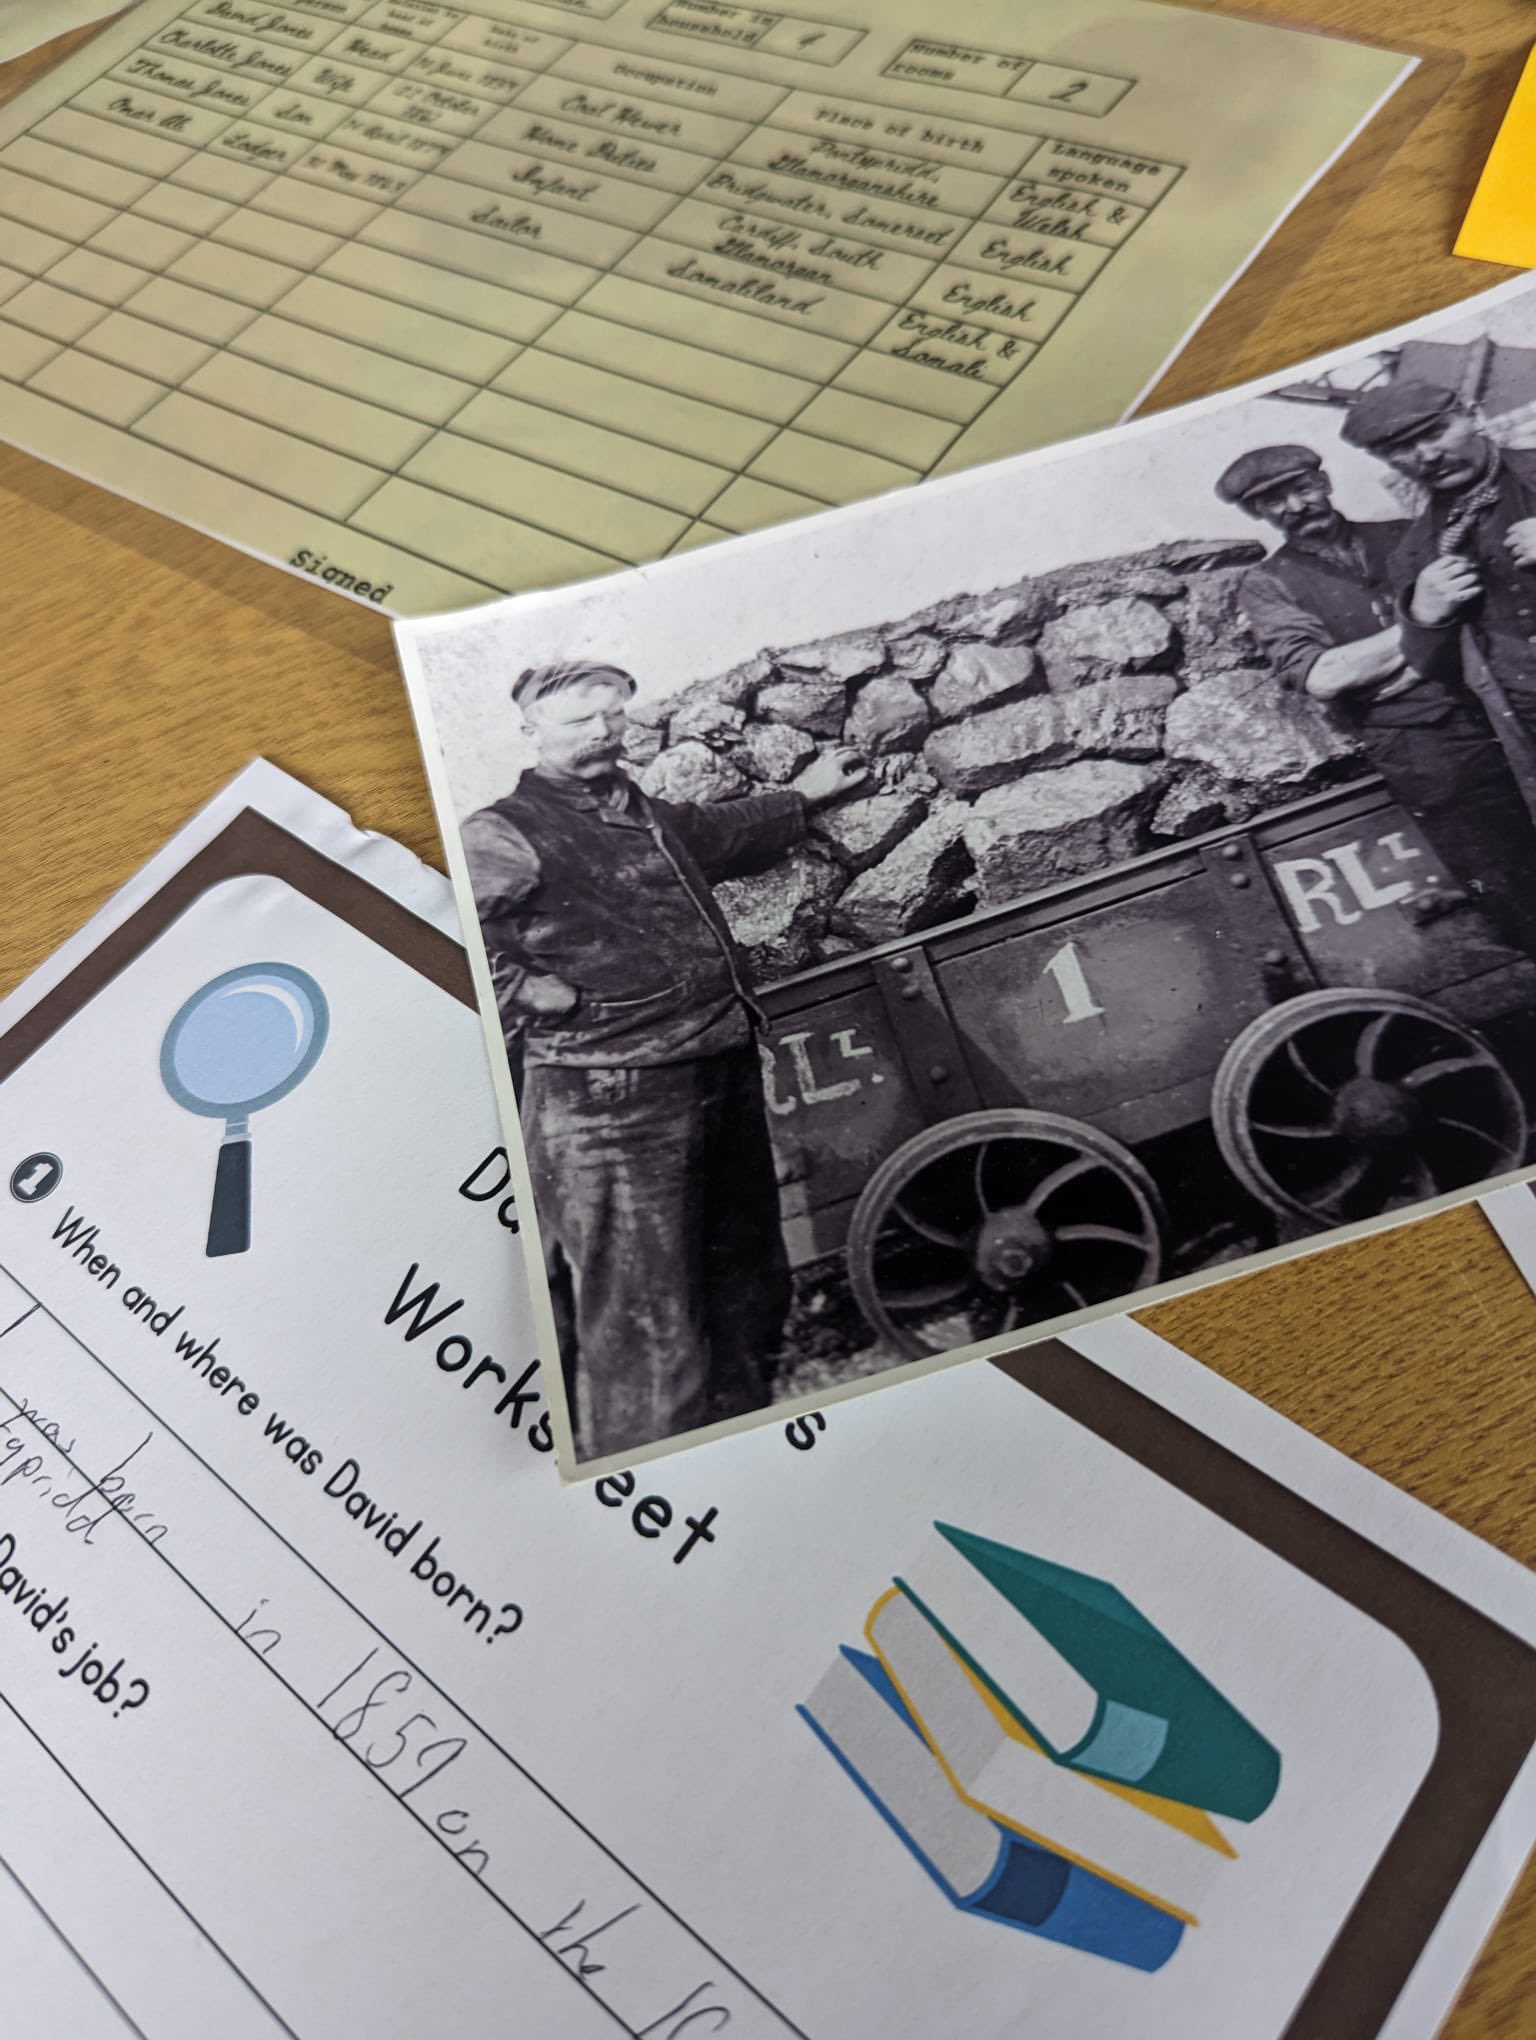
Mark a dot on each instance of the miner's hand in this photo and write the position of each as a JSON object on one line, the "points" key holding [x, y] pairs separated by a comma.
{"points": [[1444, 589], [831, 775], [524, 995], [1520, 542], [1389, 690]]}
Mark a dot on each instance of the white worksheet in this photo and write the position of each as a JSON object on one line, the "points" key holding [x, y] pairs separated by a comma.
{"points": [[326, 1711]]}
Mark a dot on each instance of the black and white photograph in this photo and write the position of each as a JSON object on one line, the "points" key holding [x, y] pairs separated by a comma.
{"points": [[932, 924]]}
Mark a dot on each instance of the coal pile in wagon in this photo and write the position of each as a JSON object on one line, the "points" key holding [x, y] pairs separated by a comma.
{"points": [[1028, 734]]}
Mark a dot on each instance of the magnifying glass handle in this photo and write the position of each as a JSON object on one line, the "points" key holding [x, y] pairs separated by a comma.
{"points": [[229, 1221]]}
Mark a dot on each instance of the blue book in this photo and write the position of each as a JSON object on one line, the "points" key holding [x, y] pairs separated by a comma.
{"points": [[979, 1865]]}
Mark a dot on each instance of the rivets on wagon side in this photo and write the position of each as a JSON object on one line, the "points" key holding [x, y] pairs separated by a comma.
{"points": [[1231, 851], [1240, 881], [938, 1073], [901, 964]]}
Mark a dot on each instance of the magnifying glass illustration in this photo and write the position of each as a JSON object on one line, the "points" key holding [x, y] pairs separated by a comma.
{"points": [[241, 1042]]}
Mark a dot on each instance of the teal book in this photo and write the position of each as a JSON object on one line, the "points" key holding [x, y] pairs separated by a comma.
{"points": [[1086, 1674]]}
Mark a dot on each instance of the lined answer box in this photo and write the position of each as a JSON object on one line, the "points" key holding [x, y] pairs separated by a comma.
{"points": [[622, 525], [395, 329], [260, 455], [580, 448], [271, 396], [707, 431], [327, 363], [503, 552]]}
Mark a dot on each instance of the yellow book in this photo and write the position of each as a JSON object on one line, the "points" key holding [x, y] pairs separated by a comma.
{"points": [[1166, 1853]]}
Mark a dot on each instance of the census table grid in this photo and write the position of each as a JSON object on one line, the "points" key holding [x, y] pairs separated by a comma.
{"points": [[438, 276]]}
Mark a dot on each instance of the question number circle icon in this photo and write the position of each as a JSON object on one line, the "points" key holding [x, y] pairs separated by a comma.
{"points": [[36, 1178]]}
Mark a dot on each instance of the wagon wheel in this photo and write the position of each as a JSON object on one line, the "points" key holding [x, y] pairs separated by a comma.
{"points": [[1341, 1104], [995, 1220]]}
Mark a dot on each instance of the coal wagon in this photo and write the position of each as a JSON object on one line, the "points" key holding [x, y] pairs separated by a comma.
{"points": [[1278, 1028]]}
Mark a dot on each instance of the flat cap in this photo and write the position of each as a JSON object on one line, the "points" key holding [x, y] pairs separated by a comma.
{"points": [[1265, 467], [1380, 418], [535, 682]]}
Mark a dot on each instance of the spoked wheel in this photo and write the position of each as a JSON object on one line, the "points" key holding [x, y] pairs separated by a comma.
{"points": [[1342, 1104], [1000, 1219]]}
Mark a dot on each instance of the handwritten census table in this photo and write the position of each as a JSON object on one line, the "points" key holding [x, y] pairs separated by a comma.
{"points": [[146, 663], [432, 301], [421, 117]]}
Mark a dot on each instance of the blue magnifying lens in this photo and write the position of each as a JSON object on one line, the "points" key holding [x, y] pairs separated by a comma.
{"points": [[240, 1043]]}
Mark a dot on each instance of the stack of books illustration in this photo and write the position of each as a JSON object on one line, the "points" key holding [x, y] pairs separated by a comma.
{"points": [[1050, 1758]]}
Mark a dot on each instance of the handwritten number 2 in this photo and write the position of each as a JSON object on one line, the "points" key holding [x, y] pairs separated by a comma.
{"points": [[1070, 92]]}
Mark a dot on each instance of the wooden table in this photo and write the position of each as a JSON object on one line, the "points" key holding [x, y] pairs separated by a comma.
{"points": [[147, 664]]}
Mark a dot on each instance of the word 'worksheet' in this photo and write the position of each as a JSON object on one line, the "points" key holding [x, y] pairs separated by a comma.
{"points": [[434, 302]]}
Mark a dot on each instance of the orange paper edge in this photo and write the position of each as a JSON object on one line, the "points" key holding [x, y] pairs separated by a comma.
{"points": [[1500, 225]]}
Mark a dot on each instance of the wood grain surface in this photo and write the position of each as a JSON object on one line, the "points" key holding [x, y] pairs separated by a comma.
{"points": [[147, 664]]}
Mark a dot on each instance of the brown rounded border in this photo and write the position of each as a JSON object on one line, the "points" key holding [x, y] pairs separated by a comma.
{"points": [[1484, 1680]]}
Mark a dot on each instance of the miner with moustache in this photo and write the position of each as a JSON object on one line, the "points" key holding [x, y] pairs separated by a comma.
{"points": [[1327, 608], [641, 1102]]}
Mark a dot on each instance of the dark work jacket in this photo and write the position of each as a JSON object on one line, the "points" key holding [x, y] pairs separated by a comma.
{"points": [[1299, 603], [616, 901], [1504, 617]]}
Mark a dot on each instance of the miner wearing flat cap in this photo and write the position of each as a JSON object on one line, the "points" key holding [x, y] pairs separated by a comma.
{"points": [[1325, 610], [1466, 572], [641, 1099]]}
